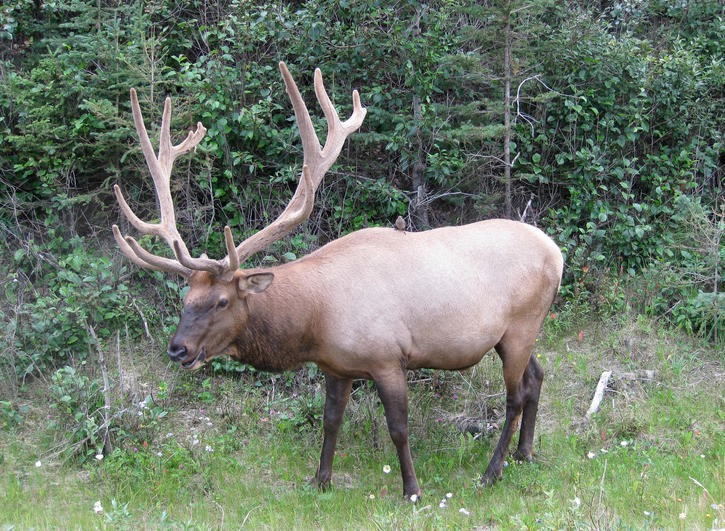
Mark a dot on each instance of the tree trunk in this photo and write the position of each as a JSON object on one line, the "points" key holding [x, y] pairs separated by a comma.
{"points": [[507, 113]]}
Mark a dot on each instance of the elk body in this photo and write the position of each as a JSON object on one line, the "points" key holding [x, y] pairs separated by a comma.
{"points": [[370, 305]]}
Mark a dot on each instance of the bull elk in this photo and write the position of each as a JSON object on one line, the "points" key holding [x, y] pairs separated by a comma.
{"points": [[456, 293]]}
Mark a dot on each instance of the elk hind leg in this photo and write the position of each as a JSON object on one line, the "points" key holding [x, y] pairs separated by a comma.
{"points": [[515, 355], [531, 389], [337, 394]]}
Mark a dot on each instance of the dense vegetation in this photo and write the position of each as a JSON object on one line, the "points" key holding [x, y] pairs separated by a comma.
{"points": [[601, 123]]}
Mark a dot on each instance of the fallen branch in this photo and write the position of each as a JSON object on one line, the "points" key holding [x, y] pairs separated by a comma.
{"points": [[598, 394], [604, 382]]}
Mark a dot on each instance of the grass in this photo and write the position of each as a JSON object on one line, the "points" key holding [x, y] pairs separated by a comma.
{"points": [[231, 454]]}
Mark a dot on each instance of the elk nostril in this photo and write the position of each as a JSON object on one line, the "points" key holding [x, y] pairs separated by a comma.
{"points": [[176, 352]]}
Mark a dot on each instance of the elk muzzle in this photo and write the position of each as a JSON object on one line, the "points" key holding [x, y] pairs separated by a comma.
{"points": [[189, 360]]}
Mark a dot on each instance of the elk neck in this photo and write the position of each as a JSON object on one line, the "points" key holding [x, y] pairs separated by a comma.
{"points": [[281, 331]]}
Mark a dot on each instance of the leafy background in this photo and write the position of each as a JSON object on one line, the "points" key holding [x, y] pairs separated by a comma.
{"points": [[602, 123]]}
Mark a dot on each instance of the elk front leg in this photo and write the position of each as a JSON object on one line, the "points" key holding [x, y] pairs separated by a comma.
{"points": [[337, 393], [393, 391]]}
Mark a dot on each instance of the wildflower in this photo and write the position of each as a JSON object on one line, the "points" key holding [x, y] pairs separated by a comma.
{"points": [[577, 501], [442, 504], [99, 457], [209, 448], [605, 451], [195, 441], [159, 454], [623, 443], [371, 497], [97, 507], [683, 516], [702, 456], [591, 455], [386, 469], [647, 513], [463, 511], [38, 464], [449, 495], [414, 498]]}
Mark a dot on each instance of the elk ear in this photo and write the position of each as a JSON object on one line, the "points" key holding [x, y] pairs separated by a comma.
{"points": [[255, 283]]}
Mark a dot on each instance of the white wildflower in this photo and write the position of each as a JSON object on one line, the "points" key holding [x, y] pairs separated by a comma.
{"points": [[463, 511], [97, 507], [623, 443], [371, 497], [647, 513], [159, 454], [38, 464], [449, 495], [577, 501], [683, 516], [99, 457], [591, 455], [414, 498], [209, 448], [442, 504], [386, 469]]}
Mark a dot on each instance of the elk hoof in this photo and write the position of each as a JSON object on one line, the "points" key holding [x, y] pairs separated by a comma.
{"points": [[523, 458], [488, 479], [323, 485]]}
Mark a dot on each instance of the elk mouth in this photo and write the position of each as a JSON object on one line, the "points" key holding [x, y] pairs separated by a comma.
{"points": [[196, 362]]}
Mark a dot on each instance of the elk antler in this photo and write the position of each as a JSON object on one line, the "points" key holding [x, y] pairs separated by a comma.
{"points": [[315, 164]]}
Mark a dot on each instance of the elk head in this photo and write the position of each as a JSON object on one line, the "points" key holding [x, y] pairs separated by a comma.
{"points": [[215, 307]]}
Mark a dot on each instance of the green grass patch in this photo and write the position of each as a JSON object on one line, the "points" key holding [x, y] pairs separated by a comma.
{"points": [[230, 454]]}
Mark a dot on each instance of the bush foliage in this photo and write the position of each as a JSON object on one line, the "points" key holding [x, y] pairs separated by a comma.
{"points": [[616, 142]]}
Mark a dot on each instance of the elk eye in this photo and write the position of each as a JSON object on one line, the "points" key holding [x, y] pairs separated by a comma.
{"points": [[222, 303]]}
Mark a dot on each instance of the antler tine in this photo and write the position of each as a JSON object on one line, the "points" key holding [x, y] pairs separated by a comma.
{"points": [[316, 160], [160, 168]]}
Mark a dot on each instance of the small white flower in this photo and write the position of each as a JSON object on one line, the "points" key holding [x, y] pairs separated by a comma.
{"points": [[577, 501], [38, 464], [99, 457], [623, 443], [159, 454], [591, 455], [463, 511], [505, 463], [97, 507], [414, 498], [702, 455], [647, 513], [209, 448], [371, 497], [442, 504], [449, 495], [386, 469], [683, 516], [605, 451]]}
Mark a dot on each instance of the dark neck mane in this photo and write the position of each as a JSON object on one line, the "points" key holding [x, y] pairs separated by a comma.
{"points": [[276, 339]]}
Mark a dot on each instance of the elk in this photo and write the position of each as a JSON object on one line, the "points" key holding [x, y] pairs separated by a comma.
{"points": [[457, 292]]}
